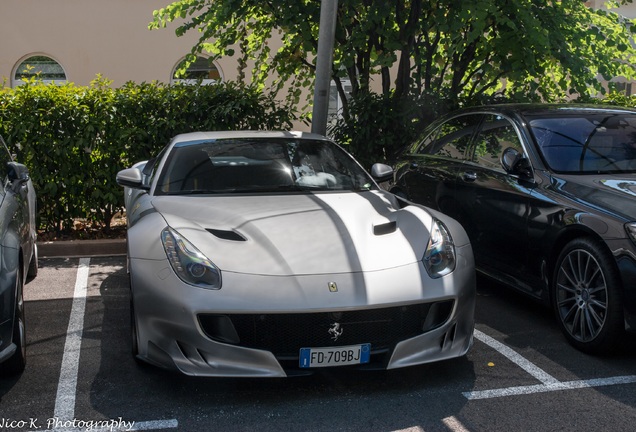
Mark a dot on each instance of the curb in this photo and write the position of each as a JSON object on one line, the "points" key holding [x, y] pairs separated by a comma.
{"points": [[81, 248]]}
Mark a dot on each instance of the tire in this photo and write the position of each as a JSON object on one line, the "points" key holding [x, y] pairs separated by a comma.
{"points": [[33, 264], [587, 297], [133, 330], [17, 362]]}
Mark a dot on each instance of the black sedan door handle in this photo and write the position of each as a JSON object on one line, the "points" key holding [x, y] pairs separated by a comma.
{"points": [[469, 176]]}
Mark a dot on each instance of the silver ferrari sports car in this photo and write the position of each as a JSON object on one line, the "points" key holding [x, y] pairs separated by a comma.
{"points": [[266, 254]]}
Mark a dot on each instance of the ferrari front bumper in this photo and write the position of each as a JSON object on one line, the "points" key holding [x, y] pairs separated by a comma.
{"points": [[171, 333]]}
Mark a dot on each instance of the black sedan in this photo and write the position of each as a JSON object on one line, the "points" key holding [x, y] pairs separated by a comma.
{"points": [[18, 258], [547, 195]]}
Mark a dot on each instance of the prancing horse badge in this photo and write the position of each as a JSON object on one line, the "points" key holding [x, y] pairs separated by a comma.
{"points": [[332, 287]]}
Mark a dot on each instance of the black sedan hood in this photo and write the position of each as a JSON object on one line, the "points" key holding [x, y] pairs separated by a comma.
{"points": [[614, 194]]}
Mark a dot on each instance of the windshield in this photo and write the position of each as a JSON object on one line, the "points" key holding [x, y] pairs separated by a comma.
{"points": [[260, 165], [587, 143]]}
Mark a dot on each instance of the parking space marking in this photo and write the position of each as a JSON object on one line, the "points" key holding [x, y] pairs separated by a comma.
{"points": [[451, 423], [66, 388], [64, 411], [128, 427], [516, 358], [454, 425], [549, 383]]}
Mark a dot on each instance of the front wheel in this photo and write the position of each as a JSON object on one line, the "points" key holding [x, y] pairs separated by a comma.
{"points": [[587, 293], [133, 331], [17, 362], [33, 264]]}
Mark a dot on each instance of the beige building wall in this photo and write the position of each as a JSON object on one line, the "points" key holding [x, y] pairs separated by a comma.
{"points": [[107, 37], [628, 10], [90, 37]]}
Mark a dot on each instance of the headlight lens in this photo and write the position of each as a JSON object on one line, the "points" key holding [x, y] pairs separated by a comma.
{"points": [[439, 258], [631, 230], [189, 264]]}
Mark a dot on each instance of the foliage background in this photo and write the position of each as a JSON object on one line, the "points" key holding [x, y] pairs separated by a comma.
{"points": [[398, 64], [75, 139]]}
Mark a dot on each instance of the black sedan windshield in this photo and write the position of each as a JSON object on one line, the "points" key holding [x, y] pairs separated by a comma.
{"points": [[587, 143], [259, 165]]}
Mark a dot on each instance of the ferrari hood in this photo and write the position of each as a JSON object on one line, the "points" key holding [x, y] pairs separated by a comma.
{"points": [[296, 234]]}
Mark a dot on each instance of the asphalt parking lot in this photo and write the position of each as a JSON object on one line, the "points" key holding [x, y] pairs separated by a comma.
{"points": [[520, 375]]}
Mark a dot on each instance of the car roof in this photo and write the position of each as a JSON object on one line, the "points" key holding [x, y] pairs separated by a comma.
{"points": [[198, 137], [547, 109]]}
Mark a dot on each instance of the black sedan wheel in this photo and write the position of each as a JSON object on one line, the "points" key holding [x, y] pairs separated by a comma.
{"points": [[17, 362], [587, 295]]}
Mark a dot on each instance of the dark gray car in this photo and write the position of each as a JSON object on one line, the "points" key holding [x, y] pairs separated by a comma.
{"points": [[18, 258], [547, 195]]}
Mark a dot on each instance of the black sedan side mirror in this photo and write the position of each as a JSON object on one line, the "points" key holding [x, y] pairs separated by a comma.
{"points": [[515, 163], [381, 172]]}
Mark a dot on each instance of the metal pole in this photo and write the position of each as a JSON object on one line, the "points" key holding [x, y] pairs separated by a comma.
{"points": [[326, 36]]}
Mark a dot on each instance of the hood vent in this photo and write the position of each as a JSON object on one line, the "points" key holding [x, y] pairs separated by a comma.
{"points": [[386, 228], [226, 235]]}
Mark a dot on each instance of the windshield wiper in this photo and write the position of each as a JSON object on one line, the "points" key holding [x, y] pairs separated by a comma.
{"points": [[201, 192], [274, 188]]}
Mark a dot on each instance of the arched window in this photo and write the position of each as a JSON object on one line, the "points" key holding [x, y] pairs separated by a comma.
{"points": [[40, 67], [202, 70]]}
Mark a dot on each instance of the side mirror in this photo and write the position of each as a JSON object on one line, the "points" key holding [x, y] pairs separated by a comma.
{"points": [[515, 163], [131, 177], [381, 172], [16, 172]]}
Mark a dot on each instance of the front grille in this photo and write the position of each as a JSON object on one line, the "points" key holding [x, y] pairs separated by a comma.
{"points": [[285, 334]]}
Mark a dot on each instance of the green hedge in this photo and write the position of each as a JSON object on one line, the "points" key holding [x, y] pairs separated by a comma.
{"points": [[75, 139]]}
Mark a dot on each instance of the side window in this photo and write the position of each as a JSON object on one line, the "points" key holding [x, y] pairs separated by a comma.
{"points": [[150, 169], [496, 134], [5, 157], [452, 138]]}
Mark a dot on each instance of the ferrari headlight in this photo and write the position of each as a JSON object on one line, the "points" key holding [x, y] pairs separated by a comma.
{"points": [[188, 262], [631, 230], [439, 258]]}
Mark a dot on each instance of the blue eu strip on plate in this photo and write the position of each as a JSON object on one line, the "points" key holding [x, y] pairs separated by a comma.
{"points": [[335, 356]]}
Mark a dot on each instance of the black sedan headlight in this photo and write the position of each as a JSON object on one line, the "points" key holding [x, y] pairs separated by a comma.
{"points": [[439, 258], [190, 265]]}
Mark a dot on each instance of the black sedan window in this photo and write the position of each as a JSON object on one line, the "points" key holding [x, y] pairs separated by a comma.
{"points": [[496, 135], [452, 138], [587, 143]]}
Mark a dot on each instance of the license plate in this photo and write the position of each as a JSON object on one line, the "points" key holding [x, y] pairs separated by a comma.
{"points": [[335, 356]]}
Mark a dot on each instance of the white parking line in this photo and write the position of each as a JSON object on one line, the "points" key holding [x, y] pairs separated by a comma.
{"points": [[66, 388], [454, 425], [83, 426], [64, 413], [451, 423], [516, 358], [549, 383]]}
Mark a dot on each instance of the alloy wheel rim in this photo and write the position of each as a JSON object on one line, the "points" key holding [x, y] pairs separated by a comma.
{"points": [[581, 295]]}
